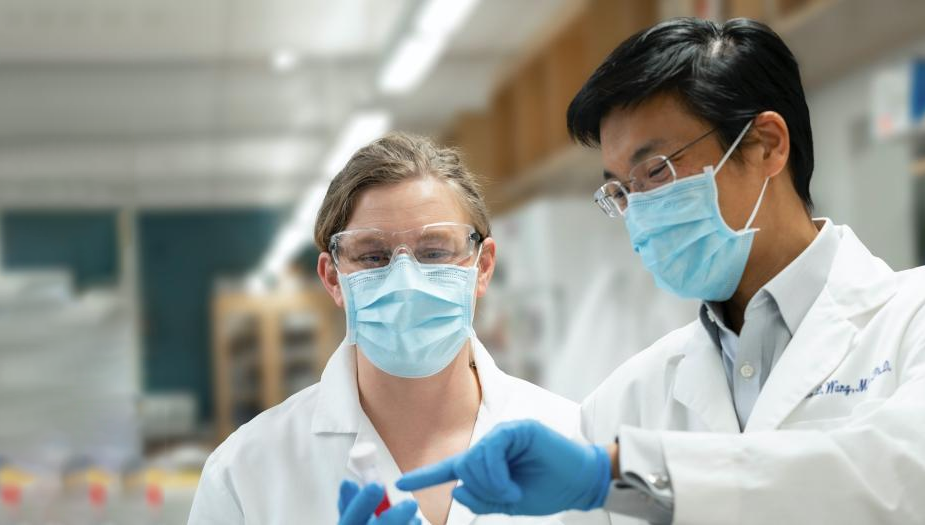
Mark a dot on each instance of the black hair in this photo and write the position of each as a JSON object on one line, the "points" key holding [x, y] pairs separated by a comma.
{"points": [[725, 74]]}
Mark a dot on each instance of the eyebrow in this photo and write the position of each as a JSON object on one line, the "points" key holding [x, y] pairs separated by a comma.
{"points": [[643, 152]]}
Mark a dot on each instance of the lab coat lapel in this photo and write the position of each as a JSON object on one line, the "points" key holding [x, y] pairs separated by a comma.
{"points": [[818, 346], [701, 386], [858, 283], [494, 389]]}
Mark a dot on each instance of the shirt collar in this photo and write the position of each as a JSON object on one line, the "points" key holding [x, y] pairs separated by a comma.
{"points": [[794, 289], [797, 286], [711, 318]]}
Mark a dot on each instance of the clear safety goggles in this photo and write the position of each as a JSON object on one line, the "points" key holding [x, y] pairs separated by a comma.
{"points": [[438, 243]]}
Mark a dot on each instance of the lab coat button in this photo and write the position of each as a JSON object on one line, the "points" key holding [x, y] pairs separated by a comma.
{"points": [[658, 481], [747, 371]]}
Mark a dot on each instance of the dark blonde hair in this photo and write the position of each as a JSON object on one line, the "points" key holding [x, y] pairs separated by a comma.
{"points": [[395, 158]]}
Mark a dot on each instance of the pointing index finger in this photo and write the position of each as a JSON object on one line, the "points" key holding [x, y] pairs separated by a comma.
{"points": [[436, 474]]}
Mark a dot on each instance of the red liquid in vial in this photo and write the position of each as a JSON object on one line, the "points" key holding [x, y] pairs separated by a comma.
{"points": [[383, 505]]}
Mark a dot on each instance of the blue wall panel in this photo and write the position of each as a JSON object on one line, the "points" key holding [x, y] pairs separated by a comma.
{"points": [[181, 255]]}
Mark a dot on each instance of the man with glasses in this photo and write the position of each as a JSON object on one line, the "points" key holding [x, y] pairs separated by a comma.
{"points": [[799, 393]]}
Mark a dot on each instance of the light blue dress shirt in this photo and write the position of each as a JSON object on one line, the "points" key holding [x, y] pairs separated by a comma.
{"points": [[772, 316]]}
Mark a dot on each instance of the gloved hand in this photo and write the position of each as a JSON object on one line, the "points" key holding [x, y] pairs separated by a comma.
{"points": [[357, 506], [521, 467]]}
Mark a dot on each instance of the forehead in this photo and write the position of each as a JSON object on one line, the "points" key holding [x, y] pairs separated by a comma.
{"points": [[408, 204], [661, 121]]}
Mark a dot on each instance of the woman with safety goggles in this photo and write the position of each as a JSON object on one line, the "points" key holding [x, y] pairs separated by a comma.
{"points": [[406, 251]]}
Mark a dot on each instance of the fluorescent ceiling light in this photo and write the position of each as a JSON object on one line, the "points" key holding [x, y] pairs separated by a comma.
{"points": [[414, 57], [362, 129], [284, 60], [418, 51], [307, 209], [444, 16], [285, 248]]}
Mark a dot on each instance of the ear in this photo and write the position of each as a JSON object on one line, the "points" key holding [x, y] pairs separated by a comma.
{"points": [[486, 265], [328, 274], [774, 141]]}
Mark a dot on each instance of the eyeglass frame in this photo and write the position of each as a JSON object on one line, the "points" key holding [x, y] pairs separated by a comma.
{"points": [[474, 236], [602, 199]]}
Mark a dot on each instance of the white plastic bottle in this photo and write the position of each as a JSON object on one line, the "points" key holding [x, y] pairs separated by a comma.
{"points": [[363, 456]]}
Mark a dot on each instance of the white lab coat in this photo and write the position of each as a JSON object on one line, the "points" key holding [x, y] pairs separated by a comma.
{"points": [[286, 465], [813, 451]]}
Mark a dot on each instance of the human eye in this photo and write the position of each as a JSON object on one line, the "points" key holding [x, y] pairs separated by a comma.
{"points": [[373, 259], [616, 193], [659, 171], [434, 254]]}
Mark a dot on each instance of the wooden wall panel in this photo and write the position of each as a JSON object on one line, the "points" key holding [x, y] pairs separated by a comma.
{"points": [[529, 116], [474, 136], [611, 22], [757, 9], [525, 123], [566, 67], [501, 114]]}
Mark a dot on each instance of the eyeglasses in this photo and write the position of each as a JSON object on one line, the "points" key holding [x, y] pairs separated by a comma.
{"points": [[438, 243], [646, 176]]}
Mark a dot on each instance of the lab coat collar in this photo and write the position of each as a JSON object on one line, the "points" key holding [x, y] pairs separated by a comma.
{"points": [[698, 384], [338, 409], [493, 382], [857, 283]]}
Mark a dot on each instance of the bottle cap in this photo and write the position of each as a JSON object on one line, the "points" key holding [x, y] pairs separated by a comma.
{"points": [[363, 455]]}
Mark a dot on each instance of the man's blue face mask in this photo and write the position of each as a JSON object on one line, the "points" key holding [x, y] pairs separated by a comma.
{"points": [[410, 319], [684, 242]]}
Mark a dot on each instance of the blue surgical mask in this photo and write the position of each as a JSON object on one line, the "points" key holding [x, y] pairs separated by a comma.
{"points": [[410, 319], [684, 242]]}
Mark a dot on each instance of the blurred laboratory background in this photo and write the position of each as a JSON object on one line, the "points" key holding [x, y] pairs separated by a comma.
{"points": [[161, 163]]}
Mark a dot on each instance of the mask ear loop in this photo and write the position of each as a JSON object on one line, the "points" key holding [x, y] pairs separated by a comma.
{"points": [[478, 255], [757, 205], [478, 270], [722, 161], [732, 148]]}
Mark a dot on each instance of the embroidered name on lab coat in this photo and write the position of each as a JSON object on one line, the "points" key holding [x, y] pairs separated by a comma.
{"points": [[833, 386]]}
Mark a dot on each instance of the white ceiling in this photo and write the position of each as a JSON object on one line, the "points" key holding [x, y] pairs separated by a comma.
{"points": [[166, 103]]}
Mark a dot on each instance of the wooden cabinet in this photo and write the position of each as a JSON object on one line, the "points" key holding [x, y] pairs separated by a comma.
{"points": [[267, 347]]}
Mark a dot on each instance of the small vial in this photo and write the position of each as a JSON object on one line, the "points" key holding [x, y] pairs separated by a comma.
{"points": [[154, 500], [363, 455]]}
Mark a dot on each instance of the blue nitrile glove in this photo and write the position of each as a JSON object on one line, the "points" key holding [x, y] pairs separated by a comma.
{"points": [[357, 506], [521, 467]]}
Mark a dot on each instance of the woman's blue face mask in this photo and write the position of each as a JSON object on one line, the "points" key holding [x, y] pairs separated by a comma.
{"points": [[410, 319], [684, 242]]}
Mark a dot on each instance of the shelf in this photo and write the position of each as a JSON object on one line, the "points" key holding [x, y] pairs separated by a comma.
{"points": [[268, 346]]}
